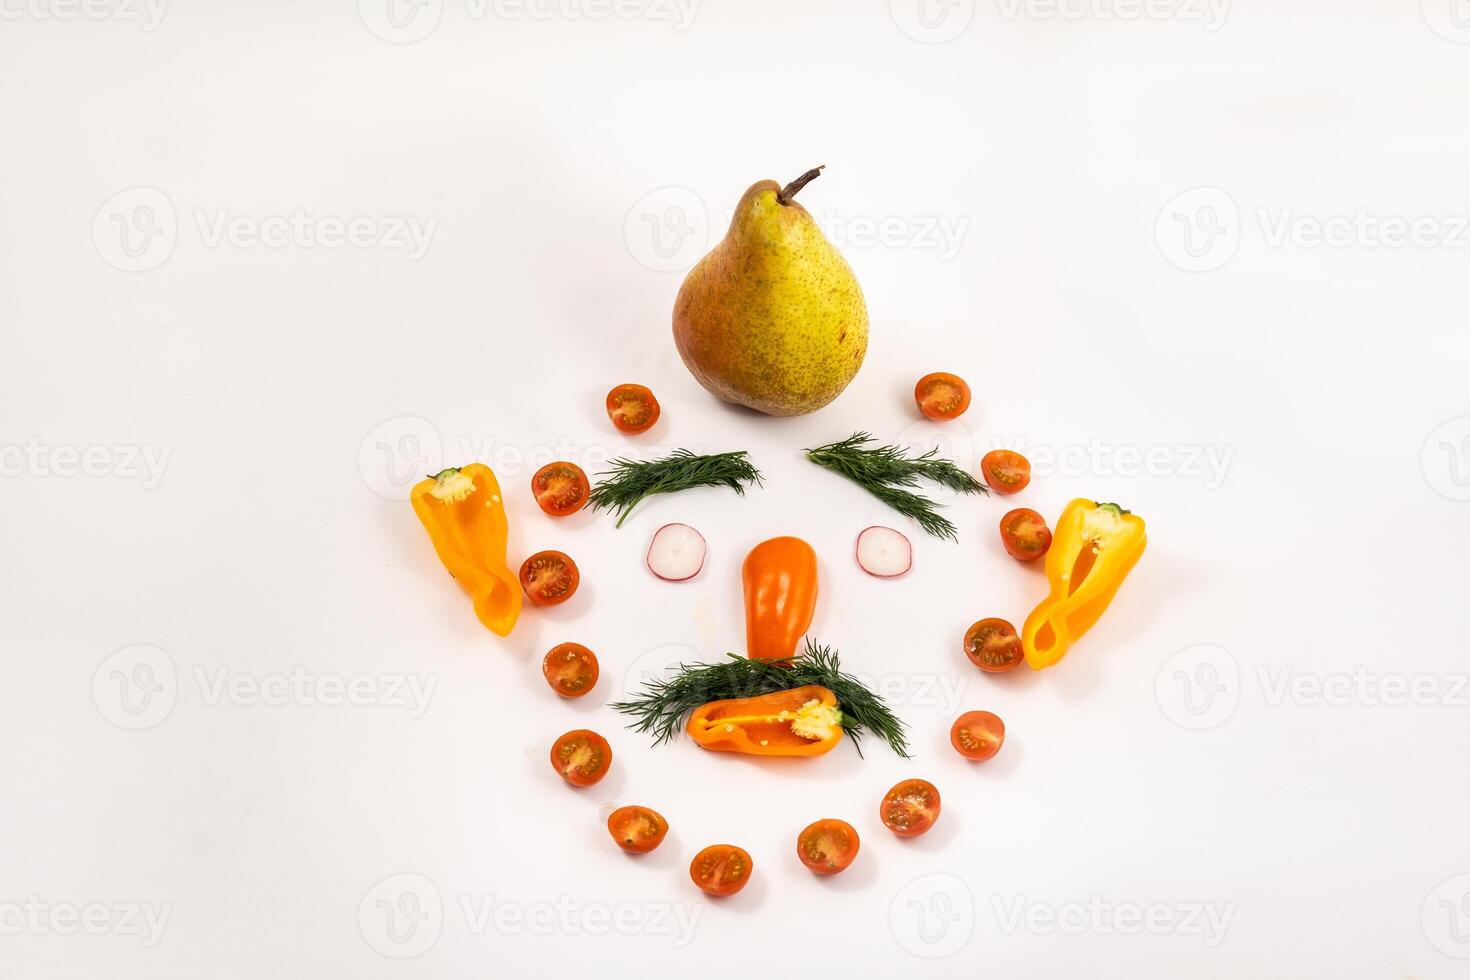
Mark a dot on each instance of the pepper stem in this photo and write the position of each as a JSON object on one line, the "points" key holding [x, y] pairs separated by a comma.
{"points": [[792, 189]]}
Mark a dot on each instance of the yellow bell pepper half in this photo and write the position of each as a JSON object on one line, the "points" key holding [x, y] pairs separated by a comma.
{"points": [[1093, 548], [465, 516]]}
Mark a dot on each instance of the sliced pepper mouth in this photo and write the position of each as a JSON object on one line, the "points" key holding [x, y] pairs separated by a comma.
{"points": [[797, 721]]}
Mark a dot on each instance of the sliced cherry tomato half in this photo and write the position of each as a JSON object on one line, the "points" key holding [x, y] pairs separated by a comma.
{"points": [[942, 396], [1025, 534], [570, 669], [549, 578], [977, 735], [637, 829], [721, 869], [632, 408], [910, 808], [581, 757], [827, 846], [561, 488], [1005, 472], [993, 646]]}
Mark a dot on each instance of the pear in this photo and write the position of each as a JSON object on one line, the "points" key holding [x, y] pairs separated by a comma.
{"points": [[773, 317]]}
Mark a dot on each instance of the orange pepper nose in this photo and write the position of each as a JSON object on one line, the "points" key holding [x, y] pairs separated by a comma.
{"points": [[780, 579]]}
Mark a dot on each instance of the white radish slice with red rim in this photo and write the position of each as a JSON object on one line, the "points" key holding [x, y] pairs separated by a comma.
{"points": [[884, 552], [677, 552]]}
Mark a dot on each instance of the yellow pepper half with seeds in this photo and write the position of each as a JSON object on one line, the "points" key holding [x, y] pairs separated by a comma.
{"points": [[1093, 548], [463, 512]]}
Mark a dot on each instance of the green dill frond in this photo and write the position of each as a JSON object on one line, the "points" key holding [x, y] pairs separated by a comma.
{"points": [[887, 472], [629, 481]]}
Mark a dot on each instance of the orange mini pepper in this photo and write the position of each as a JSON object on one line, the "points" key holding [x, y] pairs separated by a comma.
{"points": [[1093, 549], [465, 516], [802, 721], [780, 577]]}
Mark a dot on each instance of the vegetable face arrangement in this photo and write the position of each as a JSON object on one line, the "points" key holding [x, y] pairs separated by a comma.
{"points": [[774, 319]]}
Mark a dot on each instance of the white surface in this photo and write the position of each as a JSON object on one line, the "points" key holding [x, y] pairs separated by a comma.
{"points": [[1325, 536]]}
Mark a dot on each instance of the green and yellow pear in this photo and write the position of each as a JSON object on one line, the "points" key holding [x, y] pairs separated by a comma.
{"points": [[773, 317]]}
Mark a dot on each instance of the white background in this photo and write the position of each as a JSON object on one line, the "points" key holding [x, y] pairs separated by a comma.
{"points": [[1302, 408]]}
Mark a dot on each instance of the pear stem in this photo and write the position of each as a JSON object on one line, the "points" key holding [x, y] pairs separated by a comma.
{"points": [[791, 189]]}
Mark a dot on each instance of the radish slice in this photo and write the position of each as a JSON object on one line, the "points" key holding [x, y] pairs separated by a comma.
{"points": [[884, 552], [677, 553]]}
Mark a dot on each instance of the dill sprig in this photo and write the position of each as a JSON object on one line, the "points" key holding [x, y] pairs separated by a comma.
{"points": [[887, 473], [664, 704], [629, 481]]}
